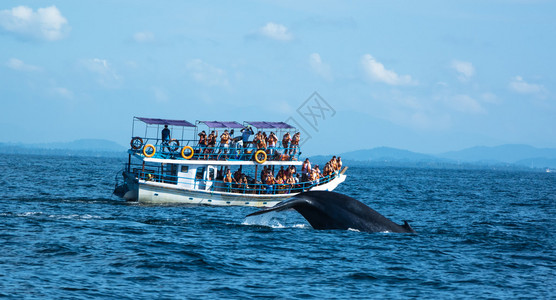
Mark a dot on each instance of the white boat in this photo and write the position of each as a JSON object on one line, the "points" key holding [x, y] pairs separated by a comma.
{"points": [[187, 172]]}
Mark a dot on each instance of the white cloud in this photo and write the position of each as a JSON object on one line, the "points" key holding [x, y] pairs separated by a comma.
{"points": [[465, 69], [63, 92], [518, 85], [465, 104], [320, 67], [46, 23], [490, 98], [276, 32], [18, 65], [107, 76], [207, 74], [377, 72], [143, 37]]}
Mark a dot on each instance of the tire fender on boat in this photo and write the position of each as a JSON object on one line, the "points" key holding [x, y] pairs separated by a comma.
{"points": [[145, 150], [257, 156], [183, 152]]}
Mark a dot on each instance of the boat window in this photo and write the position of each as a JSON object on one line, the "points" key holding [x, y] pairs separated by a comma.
{"points": [[200, 172], [184, 169]]}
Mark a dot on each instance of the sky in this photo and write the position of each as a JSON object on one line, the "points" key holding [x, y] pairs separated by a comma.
{"points": [[426, 76]]}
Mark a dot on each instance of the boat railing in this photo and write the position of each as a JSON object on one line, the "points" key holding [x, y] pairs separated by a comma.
{"points": [[191, 150], [155, 174]]}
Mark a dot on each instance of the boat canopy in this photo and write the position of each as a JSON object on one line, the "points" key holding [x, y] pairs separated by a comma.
{"points": [[270, 125], [220, 124], [154, 121]]}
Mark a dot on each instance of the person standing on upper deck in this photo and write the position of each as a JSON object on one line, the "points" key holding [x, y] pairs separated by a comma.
{"points": [[224, 144], [295, 145], [286, 142], [245, 134], [165, 137]]}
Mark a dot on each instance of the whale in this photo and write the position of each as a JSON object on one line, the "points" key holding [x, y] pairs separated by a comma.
{"points": [[331, 210]]}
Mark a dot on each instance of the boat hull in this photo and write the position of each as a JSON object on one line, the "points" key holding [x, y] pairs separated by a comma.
{"points": [[162, 193]]}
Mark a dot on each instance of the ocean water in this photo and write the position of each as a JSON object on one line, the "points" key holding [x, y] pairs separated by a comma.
{"points": [[481, 234]]}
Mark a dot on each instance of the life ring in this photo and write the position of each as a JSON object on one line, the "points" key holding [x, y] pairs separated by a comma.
{"points": [[173, 145], [147, 146], [257, 159], [136, 143], [187, 156]]}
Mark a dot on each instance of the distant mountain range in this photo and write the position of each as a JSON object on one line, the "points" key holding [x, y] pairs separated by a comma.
{"points": [[83, 147], [522, 156], [508, 156]]}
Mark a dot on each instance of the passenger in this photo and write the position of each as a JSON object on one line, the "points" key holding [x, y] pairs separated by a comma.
{"points": [[260, 141], [286, 142], [270, 181], [294, 147], [238, 175], [279, 184], [325, 170], [293, 170], [246, 132], [339, 164], [271, 142], [202, 142], [228, 179], [333, 163], [224, 144], [305, 168], [290, 182], [264, 172], [166, 138], [243, 186], [318, 174], [288, 172], [281, 172], [211, 143]]}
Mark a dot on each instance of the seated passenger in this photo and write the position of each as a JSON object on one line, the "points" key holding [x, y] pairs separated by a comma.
{"points": [[243, 186], [339, 164], [279, 185]]}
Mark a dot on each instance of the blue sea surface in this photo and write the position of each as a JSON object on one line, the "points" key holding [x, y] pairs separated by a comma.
{"points": [[480, 234]]}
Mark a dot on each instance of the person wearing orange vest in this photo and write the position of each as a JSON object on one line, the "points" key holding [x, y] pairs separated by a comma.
{"points": [[294, 147]]}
